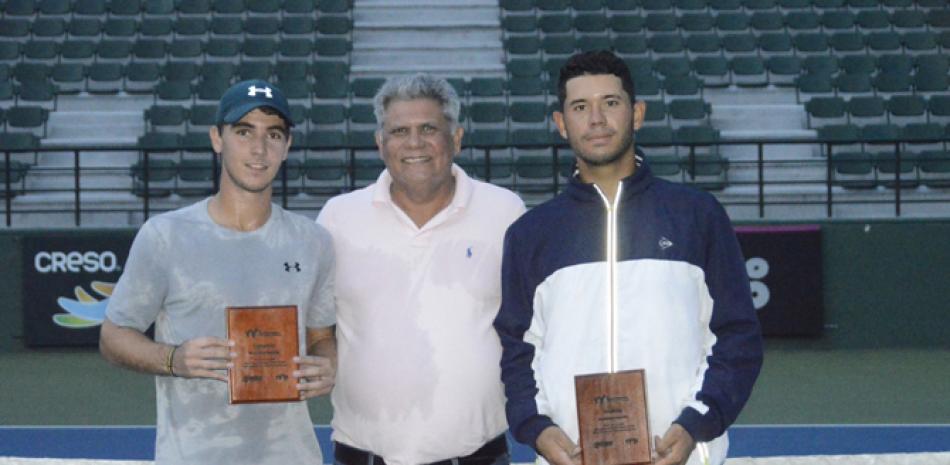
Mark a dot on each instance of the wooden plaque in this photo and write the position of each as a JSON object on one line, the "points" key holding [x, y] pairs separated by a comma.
{"points": [[612, 418], [266, 343]]}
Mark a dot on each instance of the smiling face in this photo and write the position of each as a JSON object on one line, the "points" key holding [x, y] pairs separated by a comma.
{"points": [[252, 150], [417, 144], [599, 119]]}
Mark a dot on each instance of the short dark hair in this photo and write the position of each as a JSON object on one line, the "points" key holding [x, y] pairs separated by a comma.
{"points": [[594, 62]]}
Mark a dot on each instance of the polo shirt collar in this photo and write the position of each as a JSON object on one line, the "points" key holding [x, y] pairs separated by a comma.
{"points": [[463, 189]]}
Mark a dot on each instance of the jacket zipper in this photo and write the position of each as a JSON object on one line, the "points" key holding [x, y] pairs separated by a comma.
{"points": [[611, 231]]}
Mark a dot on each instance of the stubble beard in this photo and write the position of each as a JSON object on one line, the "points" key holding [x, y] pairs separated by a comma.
{"points": [[611, 158]]}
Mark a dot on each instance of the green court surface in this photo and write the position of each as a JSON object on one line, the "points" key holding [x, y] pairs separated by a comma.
{"points": [[797, 386]]}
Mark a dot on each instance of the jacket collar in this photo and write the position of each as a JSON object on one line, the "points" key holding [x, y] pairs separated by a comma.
{"points": [[633, 185]]}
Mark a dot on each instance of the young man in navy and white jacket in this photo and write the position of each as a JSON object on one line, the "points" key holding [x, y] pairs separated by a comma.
{"points": [[660, 256]]}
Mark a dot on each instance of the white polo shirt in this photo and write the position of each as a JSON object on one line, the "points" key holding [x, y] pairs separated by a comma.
{"points": [[418, 378]]}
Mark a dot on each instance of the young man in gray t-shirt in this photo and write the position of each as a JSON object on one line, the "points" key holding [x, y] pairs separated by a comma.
{"points": [[232, 249]]}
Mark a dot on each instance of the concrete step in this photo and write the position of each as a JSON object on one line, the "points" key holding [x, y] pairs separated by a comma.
{"points": [[376, 39], [451, 14], [361, 4]]}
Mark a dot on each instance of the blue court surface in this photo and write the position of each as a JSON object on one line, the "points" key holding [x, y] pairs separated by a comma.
{"points": [[137, 443]]}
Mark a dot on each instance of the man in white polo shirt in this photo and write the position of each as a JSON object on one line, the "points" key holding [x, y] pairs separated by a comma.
{"points": [[417, 287]]}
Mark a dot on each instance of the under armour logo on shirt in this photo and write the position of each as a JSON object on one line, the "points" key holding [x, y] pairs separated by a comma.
{"points": [[253, 90], [295, 267]]}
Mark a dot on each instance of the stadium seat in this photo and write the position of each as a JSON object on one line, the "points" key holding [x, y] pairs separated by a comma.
{"points": [[630, 44], [661, 22], [295, 7], [31, 119], [763, 22], [872, 21], [689, 112], [692, 23], [938, 109], [931, 82], [867, 110], [935, 168], [892, 83], [887, 167], [656, 113], [712, 70], [669, 167], [41, 51], [908, 19], [173, 91], [523, 45], [847, 43], [519, 23], [19, 8], [782, 70], [922, 137], [703, 44], [880, 137], [121, 27], [160, 173], [841, 138], [261, 26], [366, 87], [854, 170], [820, 65], [748, 71], [226, 27], [525, 87], [732, 22], [825, 110], [657, 139], [201, 118], [858, 64], [672, 66], [334, 24], [622, 5], [195, 177], [85, 27], [838, 20], [297, 25], [853, 84], [802, 21], [89, 7], [69, 77], [775, 43], [49, 28], [739, 44]]}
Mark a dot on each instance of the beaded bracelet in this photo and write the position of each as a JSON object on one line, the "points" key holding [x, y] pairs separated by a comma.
{"points": [[170, 361]]}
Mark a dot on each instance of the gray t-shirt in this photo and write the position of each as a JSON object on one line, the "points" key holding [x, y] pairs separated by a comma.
{"points": [[183, 270]]}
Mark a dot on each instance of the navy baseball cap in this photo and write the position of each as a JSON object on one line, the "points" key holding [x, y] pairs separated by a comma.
{"points": [[245, 96]]}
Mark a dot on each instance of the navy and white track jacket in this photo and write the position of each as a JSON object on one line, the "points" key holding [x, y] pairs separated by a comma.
{"points": [[664, 258]]}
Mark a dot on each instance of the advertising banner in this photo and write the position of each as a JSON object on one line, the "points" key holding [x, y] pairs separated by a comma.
{"points": [[784, 265], [67, 280]]}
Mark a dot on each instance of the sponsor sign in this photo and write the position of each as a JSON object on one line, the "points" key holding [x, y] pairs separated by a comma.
{"points": [[784, 265], [67, 281]]}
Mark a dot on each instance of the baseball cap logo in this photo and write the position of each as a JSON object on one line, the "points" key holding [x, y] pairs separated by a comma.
{"points": [[253, 90]]}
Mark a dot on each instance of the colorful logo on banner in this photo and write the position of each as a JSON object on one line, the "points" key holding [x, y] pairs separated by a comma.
{"points": [[68, 280], [85, 311]]}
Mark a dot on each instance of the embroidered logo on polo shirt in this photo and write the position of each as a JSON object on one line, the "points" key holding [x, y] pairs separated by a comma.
{"points": [[468, 252], [665, 243], [295, 267]]}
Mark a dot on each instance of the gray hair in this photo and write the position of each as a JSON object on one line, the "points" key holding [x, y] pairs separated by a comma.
{"points": [[414, 87]]}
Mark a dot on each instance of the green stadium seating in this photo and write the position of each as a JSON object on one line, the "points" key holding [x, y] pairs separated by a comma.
{"points": [[867, 110], [120, 27]]}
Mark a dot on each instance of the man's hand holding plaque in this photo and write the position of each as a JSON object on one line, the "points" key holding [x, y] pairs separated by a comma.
{"points": [[315, 375]]}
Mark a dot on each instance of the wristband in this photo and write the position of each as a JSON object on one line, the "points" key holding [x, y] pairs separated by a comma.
{"points": [[170, 361]]}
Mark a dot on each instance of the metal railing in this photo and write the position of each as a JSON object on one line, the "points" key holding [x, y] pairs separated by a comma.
{"points": [[486, 160]]}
